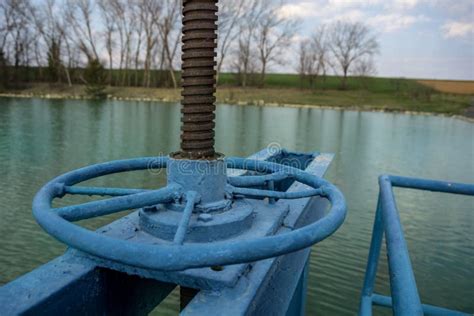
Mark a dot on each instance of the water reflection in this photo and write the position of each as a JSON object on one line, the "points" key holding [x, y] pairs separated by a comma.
{"points": [[40, 139]]}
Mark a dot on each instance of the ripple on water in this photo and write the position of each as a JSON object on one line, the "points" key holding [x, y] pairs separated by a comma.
{"points": [[40, 139]]}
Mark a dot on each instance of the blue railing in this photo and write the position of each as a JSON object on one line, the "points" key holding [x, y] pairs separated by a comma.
{"points": [[404, 299]]}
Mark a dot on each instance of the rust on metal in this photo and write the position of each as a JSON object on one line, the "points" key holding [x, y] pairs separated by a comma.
{"points": [[198, 79]]}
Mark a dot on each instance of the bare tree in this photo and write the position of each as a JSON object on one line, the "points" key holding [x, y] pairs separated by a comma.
{"points": [[80, 15], [50, 29], [21, 32], [109, 20], [244, 61], [321, 59], [170, 34], [70, 57], [149, 12], [314, 56], [274, 33], [305, 60], [138, 31], [230, 17], [349, 42], [64, 35], [6, 24], [13, 26], [364, 69], [128, 20], [17, 34]]}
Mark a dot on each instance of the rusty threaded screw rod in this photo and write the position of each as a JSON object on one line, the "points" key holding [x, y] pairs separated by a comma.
{"points": [[198, 78]]}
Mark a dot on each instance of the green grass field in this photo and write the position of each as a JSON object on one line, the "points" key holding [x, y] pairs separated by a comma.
{"points": [[388, 94], [375, 84]]}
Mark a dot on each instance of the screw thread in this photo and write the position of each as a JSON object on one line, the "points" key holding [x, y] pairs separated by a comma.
{"points": [[199, 43]]}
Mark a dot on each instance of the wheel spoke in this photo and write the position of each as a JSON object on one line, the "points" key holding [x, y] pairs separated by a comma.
{"points": [[256, 193], [117, 204], [248, 181], [191, 200]]}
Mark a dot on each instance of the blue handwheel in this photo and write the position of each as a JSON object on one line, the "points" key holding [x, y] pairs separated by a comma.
{"points": [[58, 221]]}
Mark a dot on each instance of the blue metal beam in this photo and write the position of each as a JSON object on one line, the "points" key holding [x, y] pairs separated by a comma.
{"points": [[74, 285]]}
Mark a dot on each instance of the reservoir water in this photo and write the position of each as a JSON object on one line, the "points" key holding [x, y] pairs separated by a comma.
{"points": [[40, 139]]}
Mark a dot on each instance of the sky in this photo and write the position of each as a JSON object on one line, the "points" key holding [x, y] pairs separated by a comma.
{"points": [[418, 38]]}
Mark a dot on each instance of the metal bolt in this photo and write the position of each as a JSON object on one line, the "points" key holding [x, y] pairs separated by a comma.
{"points": [[198, 78]]}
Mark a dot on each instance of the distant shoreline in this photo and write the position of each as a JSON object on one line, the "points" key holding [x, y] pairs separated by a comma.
{"points": [[270, 97]]}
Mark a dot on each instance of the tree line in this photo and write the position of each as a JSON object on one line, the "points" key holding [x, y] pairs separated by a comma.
{"points": [[137, 43]]}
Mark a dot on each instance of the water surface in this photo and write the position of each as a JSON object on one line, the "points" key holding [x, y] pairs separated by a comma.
{"points": [[40, 139]]}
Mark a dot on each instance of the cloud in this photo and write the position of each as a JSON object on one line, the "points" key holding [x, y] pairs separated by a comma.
{"points": [[348, 16], [404, 4], [327, 11], [455, 29], [324, 9], [353, 3], [454, 9], [395, 22], [385, 23], [386, 16], [298, 10]]}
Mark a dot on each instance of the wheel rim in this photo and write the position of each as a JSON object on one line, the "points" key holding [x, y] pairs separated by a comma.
{"points": [[181, 257]]}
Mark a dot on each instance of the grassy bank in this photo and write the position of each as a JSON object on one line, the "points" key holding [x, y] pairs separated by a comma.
{"points": [[365, 94]]}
